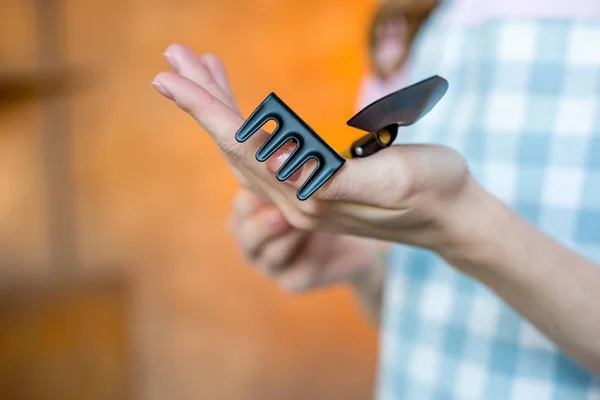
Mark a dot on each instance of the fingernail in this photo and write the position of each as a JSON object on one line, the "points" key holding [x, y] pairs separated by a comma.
{"points": [[171, 60], [282, 157], [163, 90], [274, 163]]}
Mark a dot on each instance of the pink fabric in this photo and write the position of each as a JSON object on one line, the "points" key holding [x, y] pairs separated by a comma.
{"points": [[372, 89], [468, 12], [474, 11]]}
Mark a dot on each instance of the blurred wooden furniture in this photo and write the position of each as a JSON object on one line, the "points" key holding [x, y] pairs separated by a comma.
{"points": [[150, 196], [65, 341], [19, 86], [62, 336]]}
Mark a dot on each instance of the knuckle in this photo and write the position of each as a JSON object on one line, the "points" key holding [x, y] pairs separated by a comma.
{"points": [[337, 188], [271, 262], [246, 184], [278, 260], [286, 287], [196, 104], [247, 240], [300, 220], [239, 198], [251, 249], [238, 207], [270, 267], [405, 186], [248, 255], [185, 105], [311, 207], [232, 150], [293, 286], [408, 186]]}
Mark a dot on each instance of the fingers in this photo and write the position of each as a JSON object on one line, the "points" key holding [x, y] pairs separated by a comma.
{"points": [[218, 71], [217, 118], [186, 63], [279, 254], [254, 223], [200, 87], [264, 235], [244, 204], [257, 230]]}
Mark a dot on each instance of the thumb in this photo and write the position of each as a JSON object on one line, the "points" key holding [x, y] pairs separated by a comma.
{"points": [[377, 180]]}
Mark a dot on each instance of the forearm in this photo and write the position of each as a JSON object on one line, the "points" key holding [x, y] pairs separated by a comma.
{"points": [[551, 286]]}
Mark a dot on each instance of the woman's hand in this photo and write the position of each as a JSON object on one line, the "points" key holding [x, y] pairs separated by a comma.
{"points": [[420, 195], [415, 194], [297, 260]]}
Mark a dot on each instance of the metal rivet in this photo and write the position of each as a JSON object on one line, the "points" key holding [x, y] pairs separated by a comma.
{"points": [[384, 137], [358, 151]]}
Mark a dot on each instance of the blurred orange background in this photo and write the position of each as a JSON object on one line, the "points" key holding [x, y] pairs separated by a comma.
{"points": [[118, 278]]}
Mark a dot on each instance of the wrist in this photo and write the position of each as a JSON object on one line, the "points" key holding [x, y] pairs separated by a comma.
{"points": [[474, 229]]}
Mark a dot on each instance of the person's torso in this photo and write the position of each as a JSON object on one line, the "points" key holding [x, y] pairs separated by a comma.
{"points": [[523, 107]]}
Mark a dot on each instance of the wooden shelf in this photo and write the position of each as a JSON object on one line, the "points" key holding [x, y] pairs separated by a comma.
{"points": [[20, 86]]}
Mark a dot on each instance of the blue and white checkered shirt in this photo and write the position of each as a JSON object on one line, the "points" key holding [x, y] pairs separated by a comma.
{"points": [[524, 109]]}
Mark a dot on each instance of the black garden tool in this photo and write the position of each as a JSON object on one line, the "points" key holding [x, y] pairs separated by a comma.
{"points": [[381, 119]]}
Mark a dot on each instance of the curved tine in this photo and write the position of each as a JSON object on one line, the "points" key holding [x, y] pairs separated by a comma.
{"points": [[293, 163], [278, 138], [260, 116], [318, 177], [251, 125]]}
